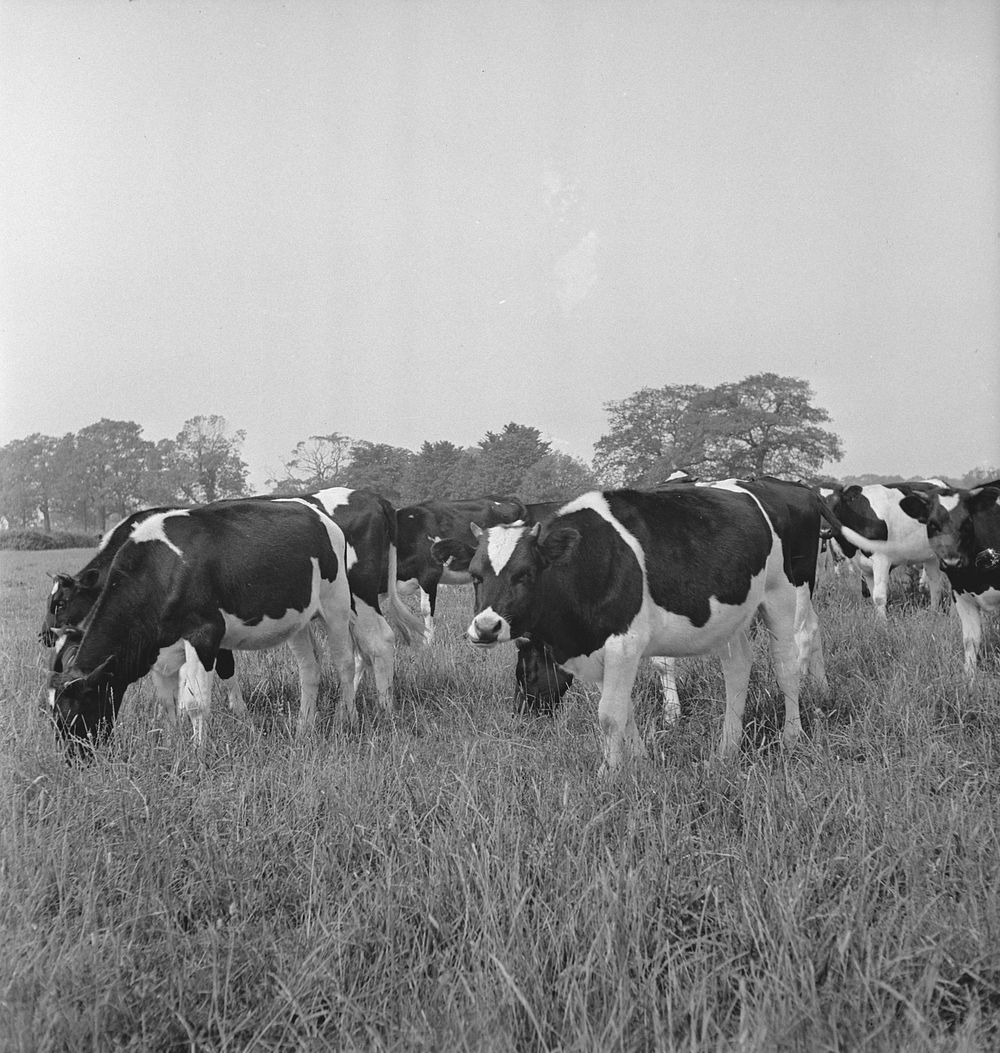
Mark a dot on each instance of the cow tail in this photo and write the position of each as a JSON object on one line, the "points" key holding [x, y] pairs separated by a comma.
{"points": [[397, 614]]}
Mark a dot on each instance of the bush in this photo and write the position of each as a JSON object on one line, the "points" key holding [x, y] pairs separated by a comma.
{"points": [[36, 540]]}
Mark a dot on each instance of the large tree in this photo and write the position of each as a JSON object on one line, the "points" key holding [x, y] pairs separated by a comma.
{"points": [[432, 472], [506, 456], [378, 466], [762, 425], [649, 431], [206, 460], [317, 462], [556, 477], [111, 458]]}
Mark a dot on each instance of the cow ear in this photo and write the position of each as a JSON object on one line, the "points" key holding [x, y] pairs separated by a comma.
{"points": [[558, 545], [88, 579], [477, 530], [917, 506]]}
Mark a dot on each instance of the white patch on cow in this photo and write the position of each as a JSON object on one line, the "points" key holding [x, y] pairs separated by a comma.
{"points": [[500, 544], [489, 627], [269, 632], [151, 529], [333, 497], [597, 502], [55, 587]]}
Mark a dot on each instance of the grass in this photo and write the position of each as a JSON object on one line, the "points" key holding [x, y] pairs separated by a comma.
{"points": [[452, 878]]}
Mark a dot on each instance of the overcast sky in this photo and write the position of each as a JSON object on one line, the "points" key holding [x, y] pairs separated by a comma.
{"points": [[413, 220]]}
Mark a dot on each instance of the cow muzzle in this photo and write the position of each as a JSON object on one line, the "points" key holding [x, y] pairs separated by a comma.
{"points": [[488, 628]]}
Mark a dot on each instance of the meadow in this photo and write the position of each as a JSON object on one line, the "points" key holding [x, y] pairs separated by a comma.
{"points": [[449, 877]]}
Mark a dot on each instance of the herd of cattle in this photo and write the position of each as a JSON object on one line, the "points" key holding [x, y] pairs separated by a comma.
{"points": [[586, 588]]}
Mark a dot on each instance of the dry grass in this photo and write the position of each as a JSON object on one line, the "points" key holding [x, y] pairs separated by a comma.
{"points": [[450, 878]]}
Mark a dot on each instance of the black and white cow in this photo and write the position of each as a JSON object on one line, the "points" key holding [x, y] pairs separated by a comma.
{"points": [[368, 521], [621, 575], [73, 595], [235, 575], [876, 513], [795, 512], [965, 536], [420, 525]]}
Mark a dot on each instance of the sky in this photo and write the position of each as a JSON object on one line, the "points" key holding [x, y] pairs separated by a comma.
{"points": [[415, 220]]}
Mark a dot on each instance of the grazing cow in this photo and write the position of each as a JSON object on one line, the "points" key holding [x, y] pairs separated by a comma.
{"points": [[876, 513], [620, 575], [368, 521], [965, 537], [419, 526], [795, 514], [73, 595], [239, 575]]}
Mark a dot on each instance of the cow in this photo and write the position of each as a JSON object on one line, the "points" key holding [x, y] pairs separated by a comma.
{"points": [[369, 524], [235, 575], [795, 512], [420, 525], [368, 521], [619, 575], [876, 513], [965, 536], [73, 595]]}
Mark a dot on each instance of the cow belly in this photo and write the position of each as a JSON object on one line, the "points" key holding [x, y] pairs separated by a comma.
{"points": [[658, 632], [267, 633]]}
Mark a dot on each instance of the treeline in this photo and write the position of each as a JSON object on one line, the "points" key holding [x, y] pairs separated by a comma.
{"points": [[764, 424]]}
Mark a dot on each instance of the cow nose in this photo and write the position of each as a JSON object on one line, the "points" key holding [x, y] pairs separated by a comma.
{"points": [[485, 629]]}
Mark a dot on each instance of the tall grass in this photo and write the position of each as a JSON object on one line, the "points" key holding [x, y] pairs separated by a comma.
{"points": [[449, 877]]}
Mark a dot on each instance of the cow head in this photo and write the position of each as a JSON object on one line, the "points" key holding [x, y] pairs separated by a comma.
{"points": [[540, 682], [505, 572], [961, 536], [83, 705], [69, 603]]}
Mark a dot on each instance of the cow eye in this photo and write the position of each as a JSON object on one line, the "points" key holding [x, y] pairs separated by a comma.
{"points": [[477, 579]]}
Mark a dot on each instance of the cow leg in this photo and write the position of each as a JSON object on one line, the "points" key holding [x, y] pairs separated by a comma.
{"points": [[666, 667], [301, 644], [937, 583], [339, 635], [972, 631], [779, 616], [428, 601], [196, 693], [375, 645], [736, 657], [808, 641], [234, 697], [881, 566], [615, 711]]}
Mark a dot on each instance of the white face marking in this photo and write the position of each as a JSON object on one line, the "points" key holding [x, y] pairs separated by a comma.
{"points": [[55, 587], [152, 530], [500, 544]]}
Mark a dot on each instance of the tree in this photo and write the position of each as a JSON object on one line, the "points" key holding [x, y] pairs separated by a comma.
{"points": [[20, 493], [556, 477], [506, 456], [205, 460], [650, 432], [378, 467], [111, 457], [316, 463], [985, 473], [762, 425], [432, 471]]}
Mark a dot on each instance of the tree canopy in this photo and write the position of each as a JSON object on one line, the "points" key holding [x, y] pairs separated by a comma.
{"points": [[764, 424]]}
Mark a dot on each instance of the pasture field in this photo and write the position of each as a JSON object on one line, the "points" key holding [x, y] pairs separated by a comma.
{"points": [[449, 877]]}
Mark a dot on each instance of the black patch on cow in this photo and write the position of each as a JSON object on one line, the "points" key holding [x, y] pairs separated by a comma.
{"points": [[698, 543], [854, 510]]}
